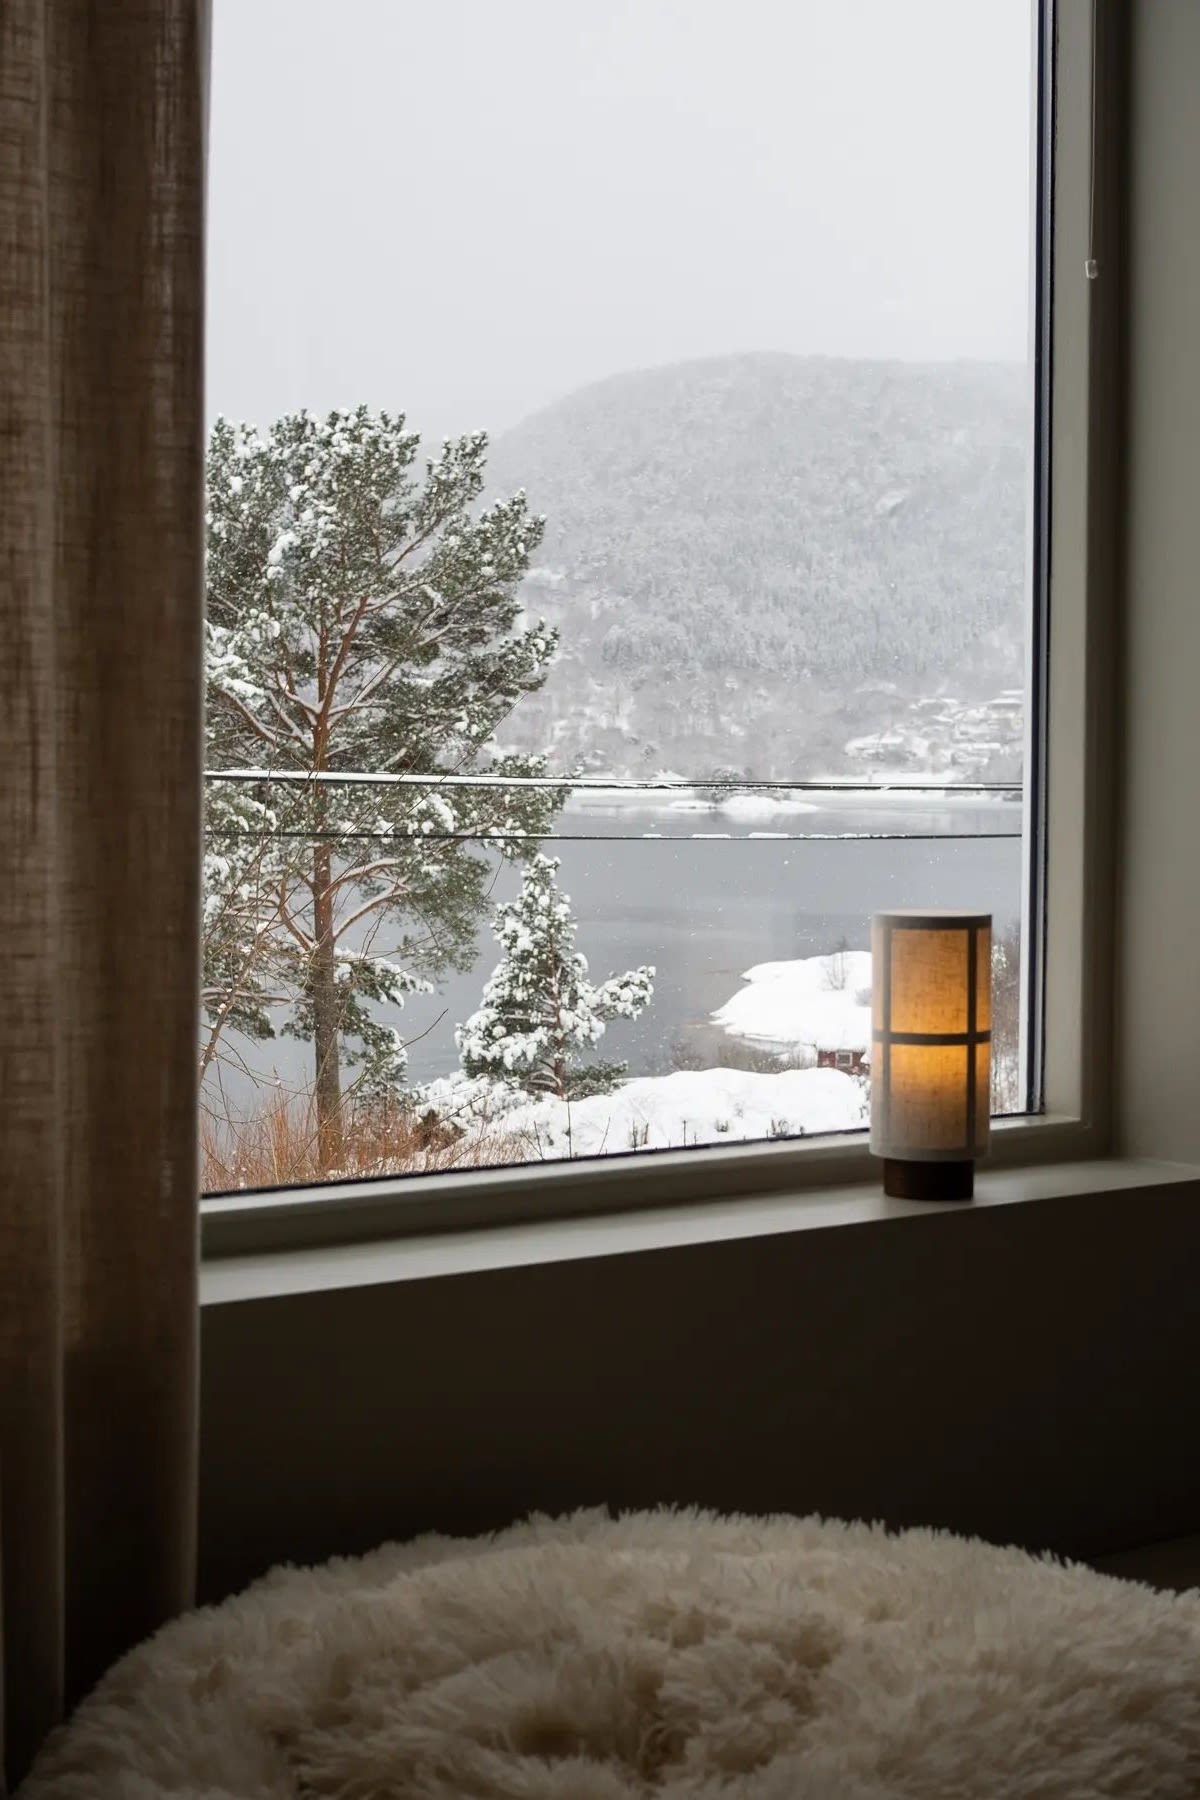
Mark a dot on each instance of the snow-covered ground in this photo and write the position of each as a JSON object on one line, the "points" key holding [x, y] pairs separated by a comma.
{"points": [[790, 1008], [693, 1106], [799, 1008], [659, 1112]]}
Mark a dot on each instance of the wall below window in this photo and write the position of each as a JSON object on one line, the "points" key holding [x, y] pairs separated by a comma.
{"points": [[1024, 1372]]}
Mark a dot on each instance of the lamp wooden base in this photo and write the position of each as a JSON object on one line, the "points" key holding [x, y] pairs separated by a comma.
{"points": [[928, 1180]]}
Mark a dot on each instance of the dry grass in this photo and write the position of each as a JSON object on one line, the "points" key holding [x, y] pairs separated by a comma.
{"points": [[276, 1144]]}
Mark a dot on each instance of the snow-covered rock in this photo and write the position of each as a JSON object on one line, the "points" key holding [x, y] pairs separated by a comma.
{"points": [[748, 809], [799, 1008]]}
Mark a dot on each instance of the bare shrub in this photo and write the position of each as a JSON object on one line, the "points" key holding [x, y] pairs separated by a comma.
{"points": [[720, 1052], [1006, 1021], [835, 967]]}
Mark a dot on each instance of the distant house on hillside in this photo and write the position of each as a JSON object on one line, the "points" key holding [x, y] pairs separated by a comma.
{"points": [[850, 1062]]}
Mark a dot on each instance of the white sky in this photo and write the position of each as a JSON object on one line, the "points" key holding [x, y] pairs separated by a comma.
{"points": [[462, 209]]}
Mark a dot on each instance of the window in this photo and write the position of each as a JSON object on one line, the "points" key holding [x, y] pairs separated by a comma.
{"points": [[554, 774]]}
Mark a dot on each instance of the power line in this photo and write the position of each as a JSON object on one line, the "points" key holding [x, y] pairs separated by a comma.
{"points": [[624, 837], [613, 785]]}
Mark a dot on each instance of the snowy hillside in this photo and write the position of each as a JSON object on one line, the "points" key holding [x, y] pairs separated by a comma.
{"points": [[756, 560]]}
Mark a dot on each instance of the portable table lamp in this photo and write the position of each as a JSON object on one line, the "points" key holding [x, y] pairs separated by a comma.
{"points": [[931, 1052]]}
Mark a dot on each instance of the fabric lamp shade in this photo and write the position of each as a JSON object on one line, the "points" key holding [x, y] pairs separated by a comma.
{"points": [[931, 1049]]}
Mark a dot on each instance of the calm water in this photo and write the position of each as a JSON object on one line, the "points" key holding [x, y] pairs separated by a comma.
{"points": [[704, 908]]}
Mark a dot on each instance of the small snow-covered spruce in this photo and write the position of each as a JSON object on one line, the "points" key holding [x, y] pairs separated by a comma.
{"points": [[540, 1013], [365, 617]]}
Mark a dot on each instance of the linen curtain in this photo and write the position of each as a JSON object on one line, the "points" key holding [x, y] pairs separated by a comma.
{"points": [[101, 532]]}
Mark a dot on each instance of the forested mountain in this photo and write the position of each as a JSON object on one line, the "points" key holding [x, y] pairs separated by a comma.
{"points": [[755, 559]]}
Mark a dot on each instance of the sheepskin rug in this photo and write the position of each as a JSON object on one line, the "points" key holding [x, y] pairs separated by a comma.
{"points": [[674, 1654]]}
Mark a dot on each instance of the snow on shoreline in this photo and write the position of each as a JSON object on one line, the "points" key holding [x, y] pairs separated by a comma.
{"points": [[793, 1009], [693, 1106], [738, 807], [751, 804], [747, 808], [658, 1112], [801, 1007]]}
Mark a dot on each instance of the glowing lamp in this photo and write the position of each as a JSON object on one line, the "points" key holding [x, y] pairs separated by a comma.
{"points": [[931, 1051]]}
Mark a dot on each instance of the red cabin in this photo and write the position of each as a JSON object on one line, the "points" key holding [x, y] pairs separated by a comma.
{"points": [[850, 1062]]}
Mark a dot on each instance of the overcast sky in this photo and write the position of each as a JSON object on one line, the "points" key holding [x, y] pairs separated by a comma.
{"points": [[462, 209]]}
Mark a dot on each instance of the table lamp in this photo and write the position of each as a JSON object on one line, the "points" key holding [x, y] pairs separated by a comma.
{"points": [[931, 980]]}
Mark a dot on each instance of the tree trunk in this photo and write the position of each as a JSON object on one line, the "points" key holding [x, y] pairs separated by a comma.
{"points": [[326, 1014]]}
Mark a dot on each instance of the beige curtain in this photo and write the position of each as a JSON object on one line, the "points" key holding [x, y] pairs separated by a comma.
{"points": [[101, 459]]}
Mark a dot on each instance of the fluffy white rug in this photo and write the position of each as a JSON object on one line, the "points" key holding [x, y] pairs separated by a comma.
{"points": [[660, 1654]]}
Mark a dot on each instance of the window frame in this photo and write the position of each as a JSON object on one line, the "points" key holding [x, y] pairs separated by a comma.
{"points": [[1070, 762]]}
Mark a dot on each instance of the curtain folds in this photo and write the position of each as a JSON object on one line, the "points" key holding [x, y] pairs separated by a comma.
{"points": [[101, 594]]}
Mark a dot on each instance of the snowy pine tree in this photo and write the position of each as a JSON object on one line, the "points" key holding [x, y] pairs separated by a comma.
{"points": [[377, 628], [540, 1012], [244, 966], [236, 990]]}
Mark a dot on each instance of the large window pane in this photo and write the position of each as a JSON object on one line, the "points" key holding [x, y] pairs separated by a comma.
{"points": [[711, 646]]}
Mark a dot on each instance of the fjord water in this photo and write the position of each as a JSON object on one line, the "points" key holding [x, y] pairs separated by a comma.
{"points": [[704, 896]]}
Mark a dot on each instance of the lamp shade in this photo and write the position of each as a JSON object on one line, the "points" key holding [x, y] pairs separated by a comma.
{"points": [[931, 982]]}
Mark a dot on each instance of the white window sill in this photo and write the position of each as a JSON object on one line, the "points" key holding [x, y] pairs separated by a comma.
{"points": [[276, 1274]]}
